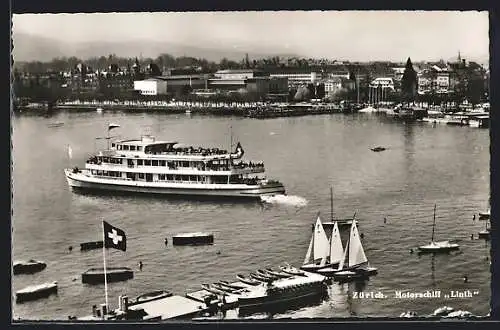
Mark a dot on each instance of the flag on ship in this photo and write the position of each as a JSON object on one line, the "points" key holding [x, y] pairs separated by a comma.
{"points": [[111, 126], [239, 149], [114, 237]]}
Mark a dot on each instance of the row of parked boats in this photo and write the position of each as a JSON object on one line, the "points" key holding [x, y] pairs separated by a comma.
{"points": [[268, 287]]}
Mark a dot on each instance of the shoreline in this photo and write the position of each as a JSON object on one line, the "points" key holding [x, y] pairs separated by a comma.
{"points": [[251, 110]]}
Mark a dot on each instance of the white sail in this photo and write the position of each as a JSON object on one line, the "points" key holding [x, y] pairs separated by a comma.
{"points": [[336, 248], [356, 253], [342, 261], [309, 251], [321, 246], [70, 152]]}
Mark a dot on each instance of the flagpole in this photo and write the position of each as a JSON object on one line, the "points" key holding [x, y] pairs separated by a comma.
{"points": [[104, 259]]}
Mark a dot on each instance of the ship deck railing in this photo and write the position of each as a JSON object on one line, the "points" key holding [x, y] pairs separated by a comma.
{"points": [[236, 168]]}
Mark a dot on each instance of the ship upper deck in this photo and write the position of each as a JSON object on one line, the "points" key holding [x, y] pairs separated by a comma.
{"points": [[148, 148]]}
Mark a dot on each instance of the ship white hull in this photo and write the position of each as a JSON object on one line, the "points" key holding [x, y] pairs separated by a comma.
{"points": [[86, 182]]}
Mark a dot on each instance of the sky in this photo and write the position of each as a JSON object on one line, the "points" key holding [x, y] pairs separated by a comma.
{"points": [[348, 35]]}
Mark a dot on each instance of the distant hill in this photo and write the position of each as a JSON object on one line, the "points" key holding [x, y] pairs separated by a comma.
{"points": [[32, 47]]}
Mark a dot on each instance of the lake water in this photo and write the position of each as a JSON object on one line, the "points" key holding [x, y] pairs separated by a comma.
{"points": [[423, 166]]}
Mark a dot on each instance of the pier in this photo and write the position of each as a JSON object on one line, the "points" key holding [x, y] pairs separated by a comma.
{"points": [[203, 302]]}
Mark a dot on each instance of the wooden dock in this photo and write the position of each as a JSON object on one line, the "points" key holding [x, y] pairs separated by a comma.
{"points": [[173, 307]]}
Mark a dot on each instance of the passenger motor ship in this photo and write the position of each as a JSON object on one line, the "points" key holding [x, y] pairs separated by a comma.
{"points": [[160, 167]]}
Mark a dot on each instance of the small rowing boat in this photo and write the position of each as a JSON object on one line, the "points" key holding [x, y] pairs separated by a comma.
{"points": [[292, 271], [34, 292], [28, 267], [232, 285], [279, 274], [247, 280]]}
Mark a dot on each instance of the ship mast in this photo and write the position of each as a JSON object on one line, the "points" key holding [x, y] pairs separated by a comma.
{"points": [[331, 204], [230, 151], [434, 223]]}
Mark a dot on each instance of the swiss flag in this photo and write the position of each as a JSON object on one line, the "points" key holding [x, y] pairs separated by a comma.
{"points": [[114, 237]]}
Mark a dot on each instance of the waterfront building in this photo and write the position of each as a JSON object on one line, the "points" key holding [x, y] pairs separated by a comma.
{"points": [[382, 82], [434, 79], [251, 81], [172, 85], [339, 74], [332, 86], [239, 74], [151, 86], [398, 73], [298, 77]]}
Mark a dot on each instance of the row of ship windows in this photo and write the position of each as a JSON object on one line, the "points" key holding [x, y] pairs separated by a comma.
{"points": [[127, 147], [159, 177], [116, 174], [149, 162]]}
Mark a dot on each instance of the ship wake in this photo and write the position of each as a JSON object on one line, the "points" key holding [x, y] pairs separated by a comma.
{"points": [[285, 200]]}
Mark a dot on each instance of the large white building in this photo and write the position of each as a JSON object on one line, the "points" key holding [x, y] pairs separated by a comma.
{"points": [[298, 78], [239, 74], [434, 79], [151, 86]]}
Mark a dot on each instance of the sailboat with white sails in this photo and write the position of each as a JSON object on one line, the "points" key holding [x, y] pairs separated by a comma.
{"points": [[319, 249], [354, 263], [435, 247], [336, 253]]}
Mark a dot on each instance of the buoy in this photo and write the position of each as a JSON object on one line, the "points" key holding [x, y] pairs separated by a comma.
{"points": [[70, 248], [471, 236], [411, 250], [466, 279], [385, 220], [140, 265], [166, 241]]}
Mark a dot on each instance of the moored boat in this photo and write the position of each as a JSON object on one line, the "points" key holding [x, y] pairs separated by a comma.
{"points": [[265, 273], [224, 288], [247, 280], [485, 215], [485, 233], [214, 290], [292, 270], [276, 273], [378, 149], [197, 238], [283, 291], [233, 286], [150, 296], [261, 278], [336, 253], [354, 263], [28, 267], [167, 167], [113, 274], [34, 292], [93, 245], [436, 247], [318, 251]]}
